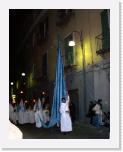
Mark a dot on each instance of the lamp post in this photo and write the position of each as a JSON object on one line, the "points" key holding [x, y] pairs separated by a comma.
{"points": [[72, 43], [23, 85], [12, 85]]}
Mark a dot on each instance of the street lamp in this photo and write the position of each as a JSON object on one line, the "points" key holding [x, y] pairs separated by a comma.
{"points": [[21, 92], [12, 88], [72, 43], [12, 83], [23, 74], [43, 92]]}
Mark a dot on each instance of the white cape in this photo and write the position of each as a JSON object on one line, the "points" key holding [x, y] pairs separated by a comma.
{"points": [[31, 116]]}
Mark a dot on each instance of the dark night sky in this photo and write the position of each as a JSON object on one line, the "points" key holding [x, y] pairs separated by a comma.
{"points": [[16, 35]]}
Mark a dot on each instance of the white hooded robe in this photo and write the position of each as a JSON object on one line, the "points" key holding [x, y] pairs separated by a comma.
{"points": [[21, 113], [66, 123], [38, 114]]}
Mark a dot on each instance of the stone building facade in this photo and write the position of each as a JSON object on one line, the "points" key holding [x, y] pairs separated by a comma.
{"points": [[90, 30]]}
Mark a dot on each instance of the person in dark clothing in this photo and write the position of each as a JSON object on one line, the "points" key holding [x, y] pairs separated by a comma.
{"points": [[91, 113]]}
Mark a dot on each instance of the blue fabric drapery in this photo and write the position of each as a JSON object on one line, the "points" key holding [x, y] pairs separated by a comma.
{"points": [[59, 91]]}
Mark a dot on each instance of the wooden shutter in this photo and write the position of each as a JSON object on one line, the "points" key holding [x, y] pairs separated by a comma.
{"points": [[105, 30], [69, 55]]}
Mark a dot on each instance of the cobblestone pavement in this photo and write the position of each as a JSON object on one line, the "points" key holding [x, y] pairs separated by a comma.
{"points": [[80, 131]]}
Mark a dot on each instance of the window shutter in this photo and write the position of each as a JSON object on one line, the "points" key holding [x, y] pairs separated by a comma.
{"points": [[105, 30], [69, 56]]}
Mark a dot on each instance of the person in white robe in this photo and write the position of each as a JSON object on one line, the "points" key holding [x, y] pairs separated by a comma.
{"points": [[38, 113], [65, 121], [21, 113], [11, 111], [31, 115], [15, 114], [46, 113], [26, 116], [26, 113]]}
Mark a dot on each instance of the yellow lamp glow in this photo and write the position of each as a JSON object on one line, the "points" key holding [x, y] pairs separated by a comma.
{"points": [[13, 96]]}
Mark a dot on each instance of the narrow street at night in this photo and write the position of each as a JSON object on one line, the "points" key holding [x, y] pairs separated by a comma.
{"points": [[80, 131], [60, 73]]}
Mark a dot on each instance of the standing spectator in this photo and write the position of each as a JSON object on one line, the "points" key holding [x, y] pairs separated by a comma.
{"points": [[98, 114]]}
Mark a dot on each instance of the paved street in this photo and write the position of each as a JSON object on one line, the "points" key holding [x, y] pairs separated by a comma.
{"points": [[80, 131]]}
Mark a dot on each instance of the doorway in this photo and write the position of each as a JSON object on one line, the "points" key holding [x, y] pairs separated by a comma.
{"points": [[74, 99]]}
